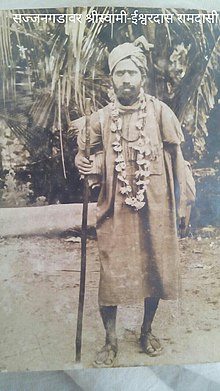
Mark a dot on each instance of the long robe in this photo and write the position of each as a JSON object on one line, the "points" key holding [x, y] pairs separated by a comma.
{"points": [[138, 250]]}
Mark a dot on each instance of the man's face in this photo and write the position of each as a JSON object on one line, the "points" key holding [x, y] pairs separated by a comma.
{"points": [[127, 81]]}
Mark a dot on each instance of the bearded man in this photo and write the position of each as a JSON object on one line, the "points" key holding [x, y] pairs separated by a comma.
{"points": [[136, 138]]}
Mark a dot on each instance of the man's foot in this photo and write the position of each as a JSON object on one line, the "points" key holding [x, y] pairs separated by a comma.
{"points": [[106, 357], [150, 344]]}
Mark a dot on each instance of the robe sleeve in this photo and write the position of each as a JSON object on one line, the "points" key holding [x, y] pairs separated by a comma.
{"points": [[95, 133], [171, 131], [96, 146], [172, 137]]}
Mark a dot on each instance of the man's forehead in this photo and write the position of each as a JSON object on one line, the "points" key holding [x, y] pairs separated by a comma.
{"points": [[126, 65]]}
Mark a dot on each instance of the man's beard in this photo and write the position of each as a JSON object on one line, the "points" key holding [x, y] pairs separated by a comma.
{"points": [[127, 95]]}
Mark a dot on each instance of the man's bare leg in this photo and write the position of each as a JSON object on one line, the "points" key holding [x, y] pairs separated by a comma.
{"points": [[149, 343], [106, 356]]}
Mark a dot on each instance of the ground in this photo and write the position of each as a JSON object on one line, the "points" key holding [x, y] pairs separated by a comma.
{"points": [[39, 284]]}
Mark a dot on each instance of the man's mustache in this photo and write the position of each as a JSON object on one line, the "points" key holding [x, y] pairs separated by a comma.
{"points": [[124, 88]]}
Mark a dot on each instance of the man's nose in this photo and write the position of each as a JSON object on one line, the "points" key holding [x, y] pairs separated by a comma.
{"points": [[126, 78]]}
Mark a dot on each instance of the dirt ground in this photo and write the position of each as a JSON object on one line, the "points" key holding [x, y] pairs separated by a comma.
{"points": [[39, 283]]}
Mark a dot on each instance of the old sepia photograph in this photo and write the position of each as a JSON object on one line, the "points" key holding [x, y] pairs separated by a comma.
{"points": [[109, 187]]}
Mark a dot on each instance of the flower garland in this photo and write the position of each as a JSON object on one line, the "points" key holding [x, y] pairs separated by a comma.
{"points": [[142, 146]]}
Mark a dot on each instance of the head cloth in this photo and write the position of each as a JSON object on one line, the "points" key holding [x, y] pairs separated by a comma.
{"points": [[135, 51]]}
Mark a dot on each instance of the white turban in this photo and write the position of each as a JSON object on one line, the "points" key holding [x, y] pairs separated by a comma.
{"points": [[134, 51]]}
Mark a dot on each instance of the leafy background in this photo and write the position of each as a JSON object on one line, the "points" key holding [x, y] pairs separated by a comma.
{"points": [[47, 70]]}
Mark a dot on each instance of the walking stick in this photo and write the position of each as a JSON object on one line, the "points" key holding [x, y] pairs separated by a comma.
{"points": [[83, 239]]}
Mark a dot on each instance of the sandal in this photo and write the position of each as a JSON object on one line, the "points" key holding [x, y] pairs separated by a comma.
{"points": [[150, 344], [106, 357]]}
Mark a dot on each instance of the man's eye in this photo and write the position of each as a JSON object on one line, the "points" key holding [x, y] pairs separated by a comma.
{"points": [[132, 73], [120, 73]]}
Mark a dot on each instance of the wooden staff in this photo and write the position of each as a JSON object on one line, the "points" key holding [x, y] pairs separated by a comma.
{"points": [[83, 238]]}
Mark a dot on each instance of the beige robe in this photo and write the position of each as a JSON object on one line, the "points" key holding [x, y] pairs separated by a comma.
{"points": [[138, 250]]}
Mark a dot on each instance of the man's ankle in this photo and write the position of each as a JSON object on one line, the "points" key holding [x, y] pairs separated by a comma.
{"points": [[111, 339], [145, 329]]}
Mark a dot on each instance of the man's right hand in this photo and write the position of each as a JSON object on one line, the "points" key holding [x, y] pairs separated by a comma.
{"points": [[83, 164]]}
